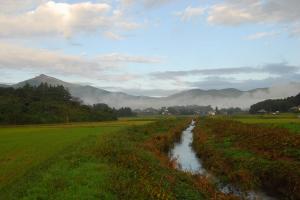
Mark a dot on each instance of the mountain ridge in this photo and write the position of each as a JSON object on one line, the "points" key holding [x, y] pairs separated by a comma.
{"points": [[4, 85], [228, 97]]}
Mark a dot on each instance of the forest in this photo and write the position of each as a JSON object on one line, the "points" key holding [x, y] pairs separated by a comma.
{"points": [[50, 104], [282, 105]]}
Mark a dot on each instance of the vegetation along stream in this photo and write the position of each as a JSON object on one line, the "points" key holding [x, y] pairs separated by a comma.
{"points": [[188, 161]]}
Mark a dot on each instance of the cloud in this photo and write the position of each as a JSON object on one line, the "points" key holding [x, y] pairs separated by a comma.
{"points": [[235, 12], [218, 71], [280, 69], [117, 78], [146, 3], [261, 35], [14, 6], [263, 76], [153, 3], [143, 92], [22, 58], [190, 13], [113, 36], [272, 69], [295, 30], [123, 58], [18, 57], [64, 19], [241, 12], [216, 82]]}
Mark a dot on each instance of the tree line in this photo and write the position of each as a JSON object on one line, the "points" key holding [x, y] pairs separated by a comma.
{"points": [[50, 104], [273, 105]]}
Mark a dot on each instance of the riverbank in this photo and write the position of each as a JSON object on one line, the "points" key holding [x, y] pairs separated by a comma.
{"points": [[250, 157], [129, 163]]}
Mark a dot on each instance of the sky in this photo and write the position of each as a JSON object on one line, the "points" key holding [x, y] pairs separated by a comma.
{"points": [[152, 47]]}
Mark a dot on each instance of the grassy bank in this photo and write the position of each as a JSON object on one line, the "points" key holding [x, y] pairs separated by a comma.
{"points": [[129, 163], [251, 156]]}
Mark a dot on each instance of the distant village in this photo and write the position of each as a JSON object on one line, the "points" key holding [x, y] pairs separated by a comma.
{"points": [[295, 109], [190, 110], [205, 111]]}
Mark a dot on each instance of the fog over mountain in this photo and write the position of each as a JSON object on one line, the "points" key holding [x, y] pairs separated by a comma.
{"points": [[222, 98], [3, 85]]}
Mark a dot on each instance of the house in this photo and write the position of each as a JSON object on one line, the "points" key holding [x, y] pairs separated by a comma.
{"points": [[295, 109], [165, 111], [262, 111], [211, 113], [276, 113]]}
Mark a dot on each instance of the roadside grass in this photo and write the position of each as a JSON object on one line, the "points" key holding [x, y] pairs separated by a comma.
{"points": [[130, 163], [25, 147], [250, 156]]}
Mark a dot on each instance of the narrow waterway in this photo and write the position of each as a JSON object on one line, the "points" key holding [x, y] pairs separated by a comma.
{"points": [[184, 154], [187, 160]]}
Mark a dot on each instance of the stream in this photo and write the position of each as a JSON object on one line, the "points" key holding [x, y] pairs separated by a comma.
{"points": [[188, 161]]}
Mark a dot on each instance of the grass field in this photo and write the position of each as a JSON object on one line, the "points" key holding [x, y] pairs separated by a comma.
{"points": [[289, 121], [25, 147], [81, 161], [255, 154], [128, 159], [117, 160]]}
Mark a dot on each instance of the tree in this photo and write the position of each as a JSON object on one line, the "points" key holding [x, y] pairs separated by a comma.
{"points": [[273, 105], [47, 104]]}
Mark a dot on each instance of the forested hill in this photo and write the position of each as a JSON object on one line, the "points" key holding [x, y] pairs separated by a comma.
{"points": [[273, 105], [47, 104]]}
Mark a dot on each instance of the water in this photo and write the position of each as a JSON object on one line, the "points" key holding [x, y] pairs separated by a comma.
{"points": [[187, 160], [184, 154]]}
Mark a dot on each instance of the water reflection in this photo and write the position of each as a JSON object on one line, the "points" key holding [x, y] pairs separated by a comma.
{"points": [[187, 160], [184, 154]]}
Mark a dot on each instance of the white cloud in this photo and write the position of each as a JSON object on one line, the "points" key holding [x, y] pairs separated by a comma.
{"points": [[19, 57], [240, 12], [112, 35], [117, 58], [22, 58], [273, 69], [295, 30], [261, 35], [236, 12], [13, 6], [64, 19], [190, 12], [152, 3], [146, 3]]}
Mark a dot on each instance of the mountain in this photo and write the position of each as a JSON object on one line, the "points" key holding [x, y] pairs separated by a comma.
{"points": [[230, 92], [3, 85], [88, 94], [223, 98], [43, 79]]}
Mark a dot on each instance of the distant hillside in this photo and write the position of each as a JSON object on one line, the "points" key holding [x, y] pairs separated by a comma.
{"points": [[45, 104], [230, 92], [89, 94], [3, 85], [273, 105], [223, 98], [36, 81]]}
